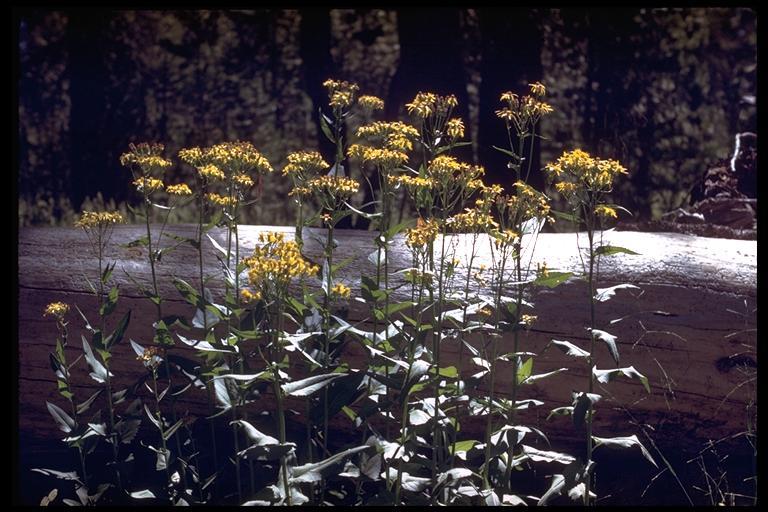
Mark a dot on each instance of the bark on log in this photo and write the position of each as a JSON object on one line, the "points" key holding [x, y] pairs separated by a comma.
{"points": [[677, 330]]}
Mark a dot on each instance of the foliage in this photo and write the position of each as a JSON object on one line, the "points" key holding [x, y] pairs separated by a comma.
{"points": [[270, 334]]}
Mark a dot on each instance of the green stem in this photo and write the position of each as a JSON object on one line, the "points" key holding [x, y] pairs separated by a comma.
{"points": [[159, 418]]}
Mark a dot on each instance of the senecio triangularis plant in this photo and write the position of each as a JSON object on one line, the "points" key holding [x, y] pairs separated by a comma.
{"points": [[271, 347]]}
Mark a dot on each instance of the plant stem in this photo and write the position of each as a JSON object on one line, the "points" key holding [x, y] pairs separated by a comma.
{"points": [[591, 358]]}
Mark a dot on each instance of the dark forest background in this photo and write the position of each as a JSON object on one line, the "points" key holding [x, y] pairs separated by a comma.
{"points": [[662, 90]]}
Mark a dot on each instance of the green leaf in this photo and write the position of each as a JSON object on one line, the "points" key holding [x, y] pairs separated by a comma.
{"points": [[552, 279], [362, 213], [119, 332], [533, 378], [314, 472], [415, 372], [140, 495], [603, 294], [107, 272], [391, 309], [608, 250], [450, 371], [262, 446], [83, 407], [565, 216], [609, 340], [581, 404], [325, 128], [61, 475], [310, 385], [172, 430], [570, 349], [509, 153], [187, 291], [139, 242], [624, 442], [98, 371], [546, 456], [66, 423], [109, 305], [605, 376], [462, 446], [341, 393], [524, 370]]}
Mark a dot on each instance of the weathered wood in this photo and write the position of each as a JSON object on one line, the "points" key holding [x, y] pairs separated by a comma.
{"points": [[686, 351]]}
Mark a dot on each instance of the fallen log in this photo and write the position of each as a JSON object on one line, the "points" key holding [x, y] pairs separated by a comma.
{"points": [[677, 329]]}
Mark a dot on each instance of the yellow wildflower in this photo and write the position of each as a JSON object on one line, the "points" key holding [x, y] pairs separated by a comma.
{"points": [[219, 200], [98, 219], [423, 105], [385, 158], [528, 320], [243, 180], [247, 296], [455, 128], [503, 238], [370, 103], [538, 89], [275, 264], [424, 233], [57, 309], [182, 189], [472, 220], [147, 184], [304, 163], [211, 172], [342, 291], [193, 156], [606, 211]]}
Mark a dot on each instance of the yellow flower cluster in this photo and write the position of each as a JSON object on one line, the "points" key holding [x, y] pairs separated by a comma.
{"points": [[341, 93], [444, 167], [538, 89], [413, 183], [304, 163], [566, 188], [527, 203], [528, 320], [276, 263], [336, 187], [211, 173], [238, 158], [455, 128], [152, 356], [57, 309], [219, 200], [147, 184], [423, 234], [396, 135], [247, 296], [182, 189], [606, 211], [504, 238], [370, 103], [193, 156], [526, 111], [426, 104], [243, 180], [98, 219], [385, 158], [586, 172], [342, 291], [146, 156], [472, 220]]}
